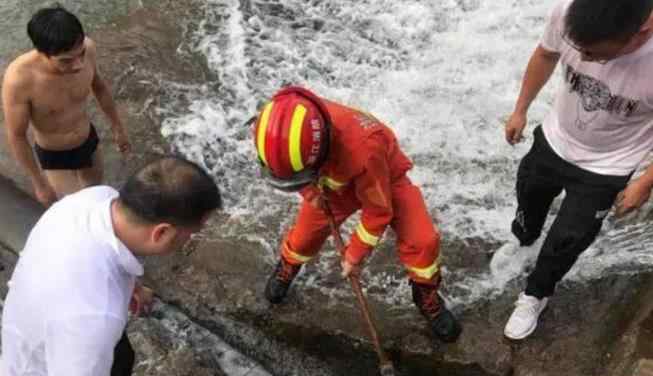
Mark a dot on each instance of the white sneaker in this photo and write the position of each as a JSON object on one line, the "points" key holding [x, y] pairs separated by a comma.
{"points": [[523, 320]]}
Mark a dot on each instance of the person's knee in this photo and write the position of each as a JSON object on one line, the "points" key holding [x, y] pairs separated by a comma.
{"points": [[426, 242], [420, 254], [525, 237], [306, 240], [574, 238]]}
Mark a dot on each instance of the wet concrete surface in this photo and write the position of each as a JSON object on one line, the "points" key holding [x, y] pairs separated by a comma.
{"points": [[573, 338], [218, 286], [21, 213]]}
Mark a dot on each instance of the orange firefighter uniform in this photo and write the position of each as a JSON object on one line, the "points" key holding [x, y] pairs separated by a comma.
{"points": [[366, 170]]}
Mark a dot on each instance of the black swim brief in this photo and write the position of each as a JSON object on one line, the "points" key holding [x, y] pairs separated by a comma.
{"points": [[73, 159]]}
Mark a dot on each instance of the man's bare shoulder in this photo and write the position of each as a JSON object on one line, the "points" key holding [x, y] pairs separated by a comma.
{"points": [[20, 72], [91, 47], [90, 43]]}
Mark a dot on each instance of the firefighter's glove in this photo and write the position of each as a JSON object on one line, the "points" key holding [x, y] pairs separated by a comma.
{"points": [[349, 269], [351, 262]]}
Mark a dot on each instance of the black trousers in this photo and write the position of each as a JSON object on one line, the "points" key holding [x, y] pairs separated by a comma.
{"points": [[123, 357], [542, 176]]}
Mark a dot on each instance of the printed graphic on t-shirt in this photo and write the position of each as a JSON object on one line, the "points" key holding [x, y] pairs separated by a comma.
{"points": [[596, 96]]}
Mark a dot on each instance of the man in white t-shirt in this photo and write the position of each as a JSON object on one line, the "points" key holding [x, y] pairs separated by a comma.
{"points": [[599, 130], [66, 310]]}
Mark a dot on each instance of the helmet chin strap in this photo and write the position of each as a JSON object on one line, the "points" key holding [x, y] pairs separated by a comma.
{"points": [[292, 184]]}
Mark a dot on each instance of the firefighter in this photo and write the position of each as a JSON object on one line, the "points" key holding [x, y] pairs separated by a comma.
{"points": [[325, 150]]}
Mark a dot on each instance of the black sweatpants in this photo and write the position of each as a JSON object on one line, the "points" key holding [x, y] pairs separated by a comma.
{"points": [[542, 175], [123, 357]]}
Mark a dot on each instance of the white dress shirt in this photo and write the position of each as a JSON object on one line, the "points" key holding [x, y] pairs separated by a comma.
{"points": [[69, 295]]}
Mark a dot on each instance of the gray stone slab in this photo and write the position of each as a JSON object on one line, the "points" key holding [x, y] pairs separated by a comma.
{"points": [[18, 214]]}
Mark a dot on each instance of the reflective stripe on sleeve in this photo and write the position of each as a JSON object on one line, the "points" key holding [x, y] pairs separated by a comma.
{"points": [[330, 183]]}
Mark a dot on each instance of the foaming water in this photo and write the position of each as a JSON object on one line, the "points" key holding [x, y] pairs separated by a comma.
{"points": [[444, 75]]}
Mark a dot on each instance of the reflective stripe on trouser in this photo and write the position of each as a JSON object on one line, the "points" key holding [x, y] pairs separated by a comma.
{"points": [[418, 241]]}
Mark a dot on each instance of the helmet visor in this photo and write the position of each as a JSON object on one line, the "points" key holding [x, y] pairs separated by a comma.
{"points": [[292, 184]]}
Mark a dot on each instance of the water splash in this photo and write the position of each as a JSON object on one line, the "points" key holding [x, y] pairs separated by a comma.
{"points": [[444, 75]]}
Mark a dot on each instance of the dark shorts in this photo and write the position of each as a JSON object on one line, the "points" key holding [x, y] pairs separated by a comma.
{"points": [[73, 159]]}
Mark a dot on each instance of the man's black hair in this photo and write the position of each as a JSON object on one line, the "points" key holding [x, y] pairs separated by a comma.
{"points": [[55, 30], [170, 190], [592, 21]]}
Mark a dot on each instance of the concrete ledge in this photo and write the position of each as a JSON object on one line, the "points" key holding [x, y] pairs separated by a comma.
{"points": [[18, 214]]}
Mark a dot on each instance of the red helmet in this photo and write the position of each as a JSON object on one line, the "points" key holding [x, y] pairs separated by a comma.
{"points": [[291, 136]]}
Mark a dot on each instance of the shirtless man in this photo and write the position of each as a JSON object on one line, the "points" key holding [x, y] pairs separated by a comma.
{"points": [[48, 87]]}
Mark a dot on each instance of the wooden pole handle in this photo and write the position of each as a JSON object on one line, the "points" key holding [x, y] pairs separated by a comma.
{"points": [[384, 361]]}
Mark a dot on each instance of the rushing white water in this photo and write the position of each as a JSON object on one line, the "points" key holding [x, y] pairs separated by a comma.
{"points": [[443, 74]]}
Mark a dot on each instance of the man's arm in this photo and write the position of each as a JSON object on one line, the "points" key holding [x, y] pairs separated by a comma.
{"points": [[540, 68], [15, 102], [141, 300], [636, 193], [374, 192], [102, 93]]}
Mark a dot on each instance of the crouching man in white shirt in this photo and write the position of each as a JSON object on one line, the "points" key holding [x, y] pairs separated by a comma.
{"points": [[67, 306]]}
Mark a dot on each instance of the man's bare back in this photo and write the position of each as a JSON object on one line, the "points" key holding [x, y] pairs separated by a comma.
{"points": [[47, 90]]}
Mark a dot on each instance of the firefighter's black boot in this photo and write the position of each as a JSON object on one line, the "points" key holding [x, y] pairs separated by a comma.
{"points": [[442, 322], [280, 280]]}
